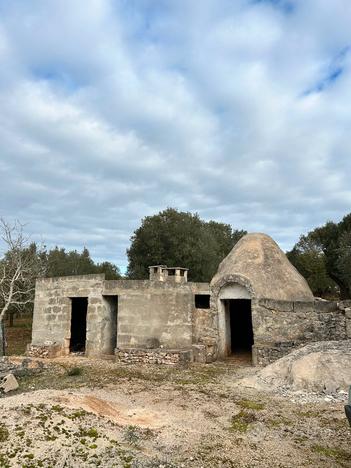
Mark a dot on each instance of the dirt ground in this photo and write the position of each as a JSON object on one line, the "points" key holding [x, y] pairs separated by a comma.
{"points": [[83, 413]]}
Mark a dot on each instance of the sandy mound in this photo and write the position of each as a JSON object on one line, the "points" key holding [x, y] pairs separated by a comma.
{"points": [[322, 367]]}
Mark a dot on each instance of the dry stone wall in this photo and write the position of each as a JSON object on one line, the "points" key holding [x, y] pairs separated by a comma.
{"points": [[44, 351], [281, 326], [153, 356]]}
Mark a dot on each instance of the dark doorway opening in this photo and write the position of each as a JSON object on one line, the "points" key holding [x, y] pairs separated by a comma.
{"points": [[240, 318], [78, 324]]}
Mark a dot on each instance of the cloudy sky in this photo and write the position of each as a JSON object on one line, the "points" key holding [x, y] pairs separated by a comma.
{"points": [[111, 110]]}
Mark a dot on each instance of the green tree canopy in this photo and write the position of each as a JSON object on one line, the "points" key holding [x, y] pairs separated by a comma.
{"points": [[176, 238], [309, 260], [60, 262], [327, 249]]}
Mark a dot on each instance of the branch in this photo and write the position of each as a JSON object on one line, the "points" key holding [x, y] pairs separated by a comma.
{"points": [[27, 301], [19, 266]]}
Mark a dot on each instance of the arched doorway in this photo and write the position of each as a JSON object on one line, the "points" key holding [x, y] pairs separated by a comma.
{"points": [[234, 321]]}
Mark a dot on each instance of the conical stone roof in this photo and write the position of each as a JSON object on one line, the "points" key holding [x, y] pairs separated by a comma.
{"points": [[260, 262]]}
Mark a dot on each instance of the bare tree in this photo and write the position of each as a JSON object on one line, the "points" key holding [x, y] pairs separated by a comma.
{"points": [[19, 266]]}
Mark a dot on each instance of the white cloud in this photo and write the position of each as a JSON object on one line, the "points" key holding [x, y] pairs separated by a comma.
{"points": [[113, 110]]}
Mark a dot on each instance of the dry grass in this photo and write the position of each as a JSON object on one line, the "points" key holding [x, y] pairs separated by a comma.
{"points": [[18, 336]]}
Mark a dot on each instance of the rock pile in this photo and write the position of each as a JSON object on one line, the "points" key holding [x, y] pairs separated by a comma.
{"points": [[10, 368], [320, 367], [19, 366]]}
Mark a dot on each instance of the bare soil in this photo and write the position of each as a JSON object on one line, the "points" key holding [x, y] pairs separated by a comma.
{"points": [[83, 413]]}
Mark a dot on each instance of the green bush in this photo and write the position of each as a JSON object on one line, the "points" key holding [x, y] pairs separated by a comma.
{"points": [[74, 371]]}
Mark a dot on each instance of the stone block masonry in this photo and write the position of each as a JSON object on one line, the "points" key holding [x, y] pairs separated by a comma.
{"points": [[123, 314], [52, 314]]}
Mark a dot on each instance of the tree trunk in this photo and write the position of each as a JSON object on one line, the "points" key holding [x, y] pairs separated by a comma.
{"points": [[11, 317], [345, 292], [2, 339]]}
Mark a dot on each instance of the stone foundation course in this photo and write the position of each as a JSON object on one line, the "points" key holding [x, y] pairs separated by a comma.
{"points": [[154, 356]]}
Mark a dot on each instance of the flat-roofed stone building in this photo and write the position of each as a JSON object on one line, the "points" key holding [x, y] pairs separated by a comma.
{"points": [[256, 303], [150, 319]]}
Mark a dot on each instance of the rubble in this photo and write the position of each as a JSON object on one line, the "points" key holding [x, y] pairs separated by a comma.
{"points": [[9, 383], [14, 367]]}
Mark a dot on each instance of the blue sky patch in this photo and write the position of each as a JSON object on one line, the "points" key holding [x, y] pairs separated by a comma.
{"points": [[284, 5], [332, 74], [57, 78]]}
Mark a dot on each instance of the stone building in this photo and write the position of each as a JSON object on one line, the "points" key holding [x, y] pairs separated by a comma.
{"points": [[256, 303]]}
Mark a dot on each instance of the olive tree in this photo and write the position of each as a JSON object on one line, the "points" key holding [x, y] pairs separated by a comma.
{"points": [[177, 238]]}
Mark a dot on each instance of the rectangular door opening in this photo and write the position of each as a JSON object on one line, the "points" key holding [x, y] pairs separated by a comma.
{"points": [[109, 332], [78, 324], [239, 326]]}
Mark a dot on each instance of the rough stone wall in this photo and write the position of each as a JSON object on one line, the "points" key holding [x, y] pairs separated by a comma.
{"points": [[266, 353], [299, 321], [280, 326], [44, 351], [153, 356], [346, 307], [330, 321]]}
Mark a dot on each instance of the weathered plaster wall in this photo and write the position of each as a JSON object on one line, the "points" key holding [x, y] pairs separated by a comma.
{"points": [[152, 314]]}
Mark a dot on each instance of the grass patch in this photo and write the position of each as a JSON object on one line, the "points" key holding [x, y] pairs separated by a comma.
{"points": [[131, 435], [92, 432], [250, 404], [242, 421], [78, 414], [97, 377], [336, 453], [279, 421], [306, 414], [4, 433], [74, 371]]}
